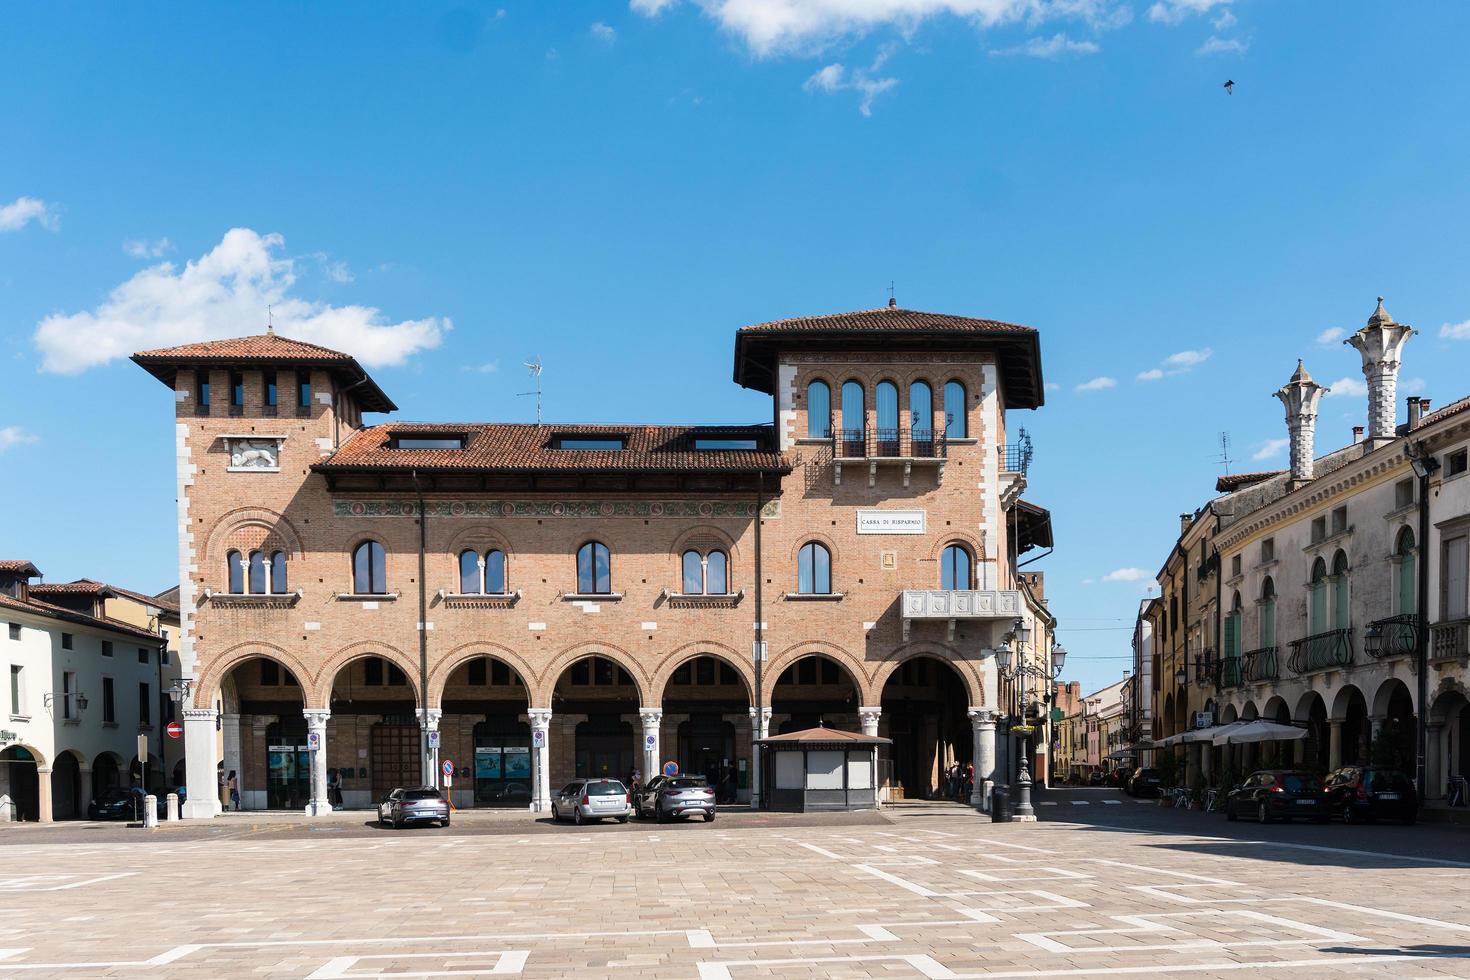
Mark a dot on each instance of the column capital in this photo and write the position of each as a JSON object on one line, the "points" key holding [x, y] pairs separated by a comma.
{"points": [[429, 719], [201, 714], [539, 717], [765, 714], [652, 717], [982, 718], [870, 711], [316, 717]]}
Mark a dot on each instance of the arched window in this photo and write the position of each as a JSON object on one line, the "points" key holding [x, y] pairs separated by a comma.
{"points": [[1341, 611], [954, 410], [495, 580], [814, 570], [1317, 609], [716, 573], [1268, 613], [886, 400], [921, 418], [234, 573], [854, 418], [954, 568], [278, 573], [469, 572], [593, 569], [818, 410], [693, 573], [1408, 593], [257, 573], [369, 569]]}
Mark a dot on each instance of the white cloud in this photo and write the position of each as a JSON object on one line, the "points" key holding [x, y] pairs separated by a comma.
{"points": [[1048, 47], [836, 78], [1152, 374], [23, 210], [1225, 21], [1347, 386], [1456, 331], [1186, 359], [1270, 449], [1127, 575], [773, 27], [1413, 386], [1175, 11], [1053, 386], [1222, 45], [13, 435], [1331, 336], [335, 269], [224, 293], [1097, 384], [603, 33], [140, 248]]}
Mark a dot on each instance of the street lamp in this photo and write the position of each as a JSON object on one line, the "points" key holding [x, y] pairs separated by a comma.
{"points": [[1014, 666]]}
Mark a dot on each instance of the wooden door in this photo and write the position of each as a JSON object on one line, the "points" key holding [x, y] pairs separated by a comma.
{"points": [[394, 758]]}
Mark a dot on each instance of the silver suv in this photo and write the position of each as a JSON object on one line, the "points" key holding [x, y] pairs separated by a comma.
{"points": [[592, 799], [421, 804], [676, 796]]}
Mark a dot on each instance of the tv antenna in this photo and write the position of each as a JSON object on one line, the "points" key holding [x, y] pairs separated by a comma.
{"points": [[1225, 452], [534, 366]]}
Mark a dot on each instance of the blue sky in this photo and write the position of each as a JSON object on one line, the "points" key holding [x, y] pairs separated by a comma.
{"points": [[451, 189]]}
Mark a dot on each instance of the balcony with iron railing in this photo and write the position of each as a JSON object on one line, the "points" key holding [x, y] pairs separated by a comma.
{"points": [[1395, 636], [1259, 665], [1449, 641], [1329, 650], [1206, 669], [877, 446], [1231, 674]]}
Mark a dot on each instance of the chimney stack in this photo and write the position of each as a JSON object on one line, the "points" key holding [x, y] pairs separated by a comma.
{"points": [[1414, 412], [1357, 434], [1381, 343], [1300, 395]]}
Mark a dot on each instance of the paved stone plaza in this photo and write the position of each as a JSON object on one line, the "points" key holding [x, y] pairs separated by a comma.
{"points": [[918, 891]]}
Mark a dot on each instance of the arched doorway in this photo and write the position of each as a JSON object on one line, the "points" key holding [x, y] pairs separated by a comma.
{"points": [[374, 720], [1313, 753], [814, 690], [485, 731], [1350, 717], [926, 714], [67, 802], [1449, 737], [706, 708], [1393, 710], [594, 709], [19, 780], [264, 736], [106, 773]]}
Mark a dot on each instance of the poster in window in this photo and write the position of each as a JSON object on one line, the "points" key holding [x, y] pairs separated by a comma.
{"points": [[517, 763], [487, 763]]}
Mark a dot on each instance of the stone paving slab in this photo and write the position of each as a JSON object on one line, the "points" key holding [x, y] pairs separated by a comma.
{"points": [[922, 892]]}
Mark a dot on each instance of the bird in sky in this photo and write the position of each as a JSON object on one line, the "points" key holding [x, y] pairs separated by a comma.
{"points": [[1229, 86]]}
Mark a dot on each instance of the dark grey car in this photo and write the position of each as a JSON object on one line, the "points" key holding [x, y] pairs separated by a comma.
{"points": [[676, 796], [419, 804]]}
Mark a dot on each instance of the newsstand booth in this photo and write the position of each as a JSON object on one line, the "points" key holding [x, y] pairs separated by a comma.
{"points": [[820, 769]]}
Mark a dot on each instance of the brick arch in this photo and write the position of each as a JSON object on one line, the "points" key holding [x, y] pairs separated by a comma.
{"points": [[957, 535], [210, 681], [1383, 696], [440, 673], [796, 651], [970, 671], [547, 681], [702, 648], [327, 675], [478, 539], [728, 543], [807, 536], [41, 764], [277, 526]]}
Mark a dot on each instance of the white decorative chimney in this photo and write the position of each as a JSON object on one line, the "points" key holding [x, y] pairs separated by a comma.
{"points": [[1300, 395], [1381, 342]]}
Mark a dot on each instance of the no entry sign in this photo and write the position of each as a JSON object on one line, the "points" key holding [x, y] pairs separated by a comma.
{"points": [[174, 729]]}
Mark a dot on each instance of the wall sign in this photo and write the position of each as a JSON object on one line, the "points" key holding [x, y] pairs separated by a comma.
{"points": [[891, 522]]}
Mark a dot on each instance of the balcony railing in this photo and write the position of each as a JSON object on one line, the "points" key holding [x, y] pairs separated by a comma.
{"points": [[1016, 457], [1449, 641], [1321, 651], [888, 443], [1206, 669], [1395, 636], [1231, 674], [1259, 665]]}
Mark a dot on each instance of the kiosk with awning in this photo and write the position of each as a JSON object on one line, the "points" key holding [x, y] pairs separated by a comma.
{"points": [[820, 769]]}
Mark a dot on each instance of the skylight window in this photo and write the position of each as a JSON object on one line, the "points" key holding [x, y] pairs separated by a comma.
{"points": [[431, 441], [726, 444], [613, 444]]}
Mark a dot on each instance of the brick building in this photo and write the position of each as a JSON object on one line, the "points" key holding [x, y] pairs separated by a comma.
{"points": [[562, 600]]}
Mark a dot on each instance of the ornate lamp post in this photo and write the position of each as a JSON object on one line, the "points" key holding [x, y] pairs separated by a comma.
{"points": [[1014, 668]]}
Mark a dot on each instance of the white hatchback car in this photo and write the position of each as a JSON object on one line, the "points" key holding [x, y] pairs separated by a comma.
{"points": [[592, 799]]}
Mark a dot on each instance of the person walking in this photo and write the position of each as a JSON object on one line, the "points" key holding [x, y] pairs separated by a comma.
{"points": [[233, 785], [334, 789]]}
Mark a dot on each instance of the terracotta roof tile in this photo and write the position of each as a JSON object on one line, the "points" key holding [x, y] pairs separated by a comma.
{"points": [[823, 734], [82, 586], [887, 318], [18, 566], [1234, 481], [1453, 408], [529, 448], [46, 609]]}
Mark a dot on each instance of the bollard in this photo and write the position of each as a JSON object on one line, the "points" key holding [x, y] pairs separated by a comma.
{"points": [[150, 811], [172, 806], [1000, 804]]}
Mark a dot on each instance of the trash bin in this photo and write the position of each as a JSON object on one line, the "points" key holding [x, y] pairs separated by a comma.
{"points": [[1000, 804]]}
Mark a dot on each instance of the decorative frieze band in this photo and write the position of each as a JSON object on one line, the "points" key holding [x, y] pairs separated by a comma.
{"points": [[581, 509]]}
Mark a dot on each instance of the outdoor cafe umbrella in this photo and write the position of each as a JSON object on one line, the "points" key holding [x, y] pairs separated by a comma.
{"points": [[1261, 731]]}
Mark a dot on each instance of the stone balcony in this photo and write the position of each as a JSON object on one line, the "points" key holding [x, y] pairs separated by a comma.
{"points": [[952, 605]]}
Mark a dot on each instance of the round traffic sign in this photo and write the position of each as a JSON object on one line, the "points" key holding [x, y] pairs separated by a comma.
{"points": [[174, 729], [671, 768], [448, 768]]}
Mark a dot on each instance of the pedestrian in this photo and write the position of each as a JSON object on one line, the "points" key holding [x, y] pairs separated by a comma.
{"points": [[234, 786], [334, 789], [968, 790], [635, 781]]}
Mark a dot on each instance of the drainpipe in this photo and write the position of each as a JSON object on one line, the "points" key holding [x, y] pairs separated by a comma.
{"points": [[760, 641], [1421, 635], [431, 778]]}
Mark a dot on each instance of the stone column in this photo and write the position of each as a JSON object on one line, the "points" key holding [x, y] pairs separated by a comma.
{"points": [[316, 725], [43, 794], [540, 756], [760, 728], [1334, 744], [201, 767], [1433, 754], [429, 722], [233, 760], [982, 726], [652, 722], [869, 719]]}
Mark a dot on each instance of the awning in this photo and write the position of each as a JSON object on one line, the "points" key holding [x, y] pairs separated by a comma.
{"points": [[1261, 731], [1164, 743], [1120, 754]]}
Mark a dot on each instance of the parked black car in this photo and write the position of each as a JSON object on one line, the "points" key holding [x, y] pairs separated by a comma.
{"points": [[1361, 794], [1095, 778], [122, 803], [1279, 794], [1144, 782]]}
